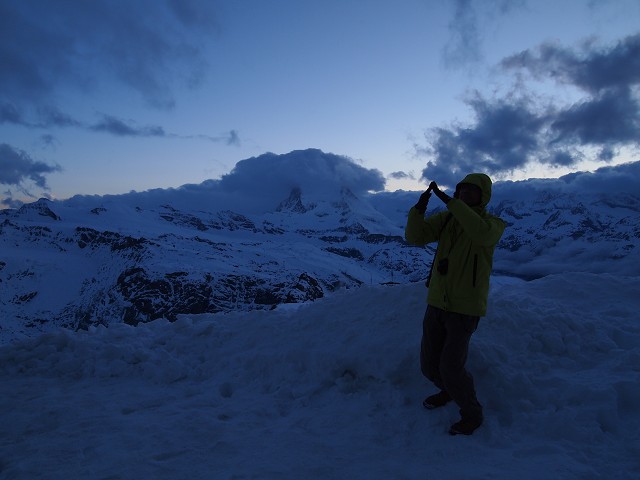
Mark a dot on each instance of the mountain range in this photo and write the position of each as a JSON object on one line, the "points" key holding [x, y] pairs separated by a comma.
{"points": [[137, 257]]}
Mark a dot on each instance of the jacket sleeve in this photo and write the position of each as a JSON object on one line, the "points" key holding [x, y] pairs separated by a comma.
{"points": [[420, 231], [483, 230]]}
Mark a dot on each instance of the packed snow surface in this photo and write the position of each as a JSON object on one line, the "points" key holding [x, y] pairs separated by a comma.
{"points": [[332, 390]]}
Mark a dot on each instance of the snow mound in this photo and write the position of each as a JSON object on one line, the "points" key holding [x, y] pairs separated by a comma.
{"points": [[332, 389]]}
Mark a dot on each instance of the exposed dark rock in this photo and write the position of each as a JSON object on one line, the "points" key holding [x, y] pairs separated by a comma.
{"points": [[377, 239], [90, 237], [354, 229], [334, 238], [183, 219], [161, 297], [228, 220], [306, 289], [346, 252], [25, 298], [293, 203]]}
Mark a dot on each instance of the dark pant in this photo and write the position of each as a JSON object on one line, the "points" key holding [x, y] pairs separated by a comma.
{"points": [[443, 354]]}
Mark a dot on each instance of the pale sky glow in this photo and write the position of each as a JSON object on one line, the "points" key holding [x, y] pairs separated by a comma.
{"points": [[107, 97]]}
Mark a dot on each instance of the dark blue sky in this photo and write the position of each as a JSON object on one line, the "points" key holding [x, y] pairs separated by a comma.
{"points": [[110, 96]]}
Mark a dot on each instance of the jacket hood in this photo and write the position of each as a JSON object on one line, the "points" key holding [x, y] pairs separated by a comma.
{"points": [[483, 182]]}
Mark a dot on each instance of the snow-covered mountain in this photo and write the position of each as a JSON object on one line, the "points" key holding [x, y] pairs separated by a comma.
{"points": [[235, 245], [556, 233], [89, 261]]}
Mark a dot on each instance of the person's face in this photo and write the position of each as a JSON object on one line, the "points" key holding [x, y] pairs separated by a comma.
{"points": [[470, 194]]}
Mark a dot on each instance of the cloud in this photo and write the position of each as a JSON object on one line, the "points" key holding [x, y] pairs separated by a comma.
{"points": [[260, 184], [464, 42], [50, 117], [504, 138], [609, 118], [148, 46], [122, 128], [53, 117], [593, 68], [610, 181], [118, 127], [402, 176], [10, 114], [45, 117], [510, 133], [233, 138], [9, 202], [48, 140], [312, 171], [230, 138], [19, 170], [464, 45]]}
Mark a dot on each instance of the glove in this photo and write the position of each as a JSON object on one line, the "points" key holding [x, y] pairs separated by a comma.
{"points": [[423, 201], [439, 193]]}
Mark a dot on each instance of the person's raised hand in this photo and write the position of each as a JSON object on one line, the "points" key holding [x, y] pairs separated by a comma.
{"points": [[423, 201], [439, 193]]}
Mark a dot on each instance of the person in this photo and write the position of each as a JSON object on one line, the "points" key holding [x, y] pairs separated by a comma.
{"points": [[458, 289]]}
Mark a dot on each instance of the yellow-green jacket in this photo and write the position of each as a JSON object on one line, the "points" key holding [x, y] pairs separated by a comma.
{"points": [[468, 240]]}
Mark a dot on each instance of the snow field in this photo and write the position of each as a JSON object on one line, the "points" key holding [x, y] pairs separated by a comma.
{"points": [[333, 389]]}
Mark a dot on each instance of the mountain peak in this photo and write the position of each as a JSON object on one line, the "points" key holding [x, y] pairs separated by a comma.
{"points": [[293, 203], [40, 208]]}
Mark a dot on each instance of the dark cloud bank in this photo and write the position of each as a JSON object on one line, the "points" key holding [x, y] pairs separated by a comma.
{"points": [[150, 47], [260, 184], [511, 133], [18, 169]]}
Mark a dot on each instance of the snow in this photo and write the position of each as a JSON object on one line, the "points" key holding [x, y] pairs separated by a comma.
{"points": [[332, 389], [329, 389]]}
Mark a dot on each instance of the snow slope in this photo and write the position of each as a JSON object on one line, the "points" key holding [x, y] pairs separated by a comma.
{"points": [[281, 229], [332, 389]]}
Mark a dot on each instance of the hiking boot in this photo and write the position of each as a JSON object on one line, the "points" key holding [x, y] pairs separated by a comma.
{"points": [[439, 399], [465, 426]]}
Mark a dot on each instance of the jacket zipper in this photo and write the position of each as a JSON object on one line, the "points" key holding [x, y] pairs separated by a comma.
{"points": [[475, 268]]}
